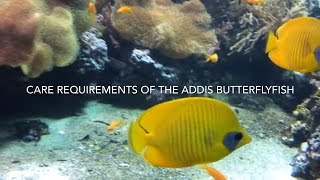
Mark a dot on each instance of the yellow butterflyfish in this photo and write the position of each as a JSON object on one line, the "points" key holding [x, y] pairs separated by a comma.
{"points": [[92, 11], [114, 124], [212, 58], [255, 1], [186, 132], [296, 45], [124, 9]]}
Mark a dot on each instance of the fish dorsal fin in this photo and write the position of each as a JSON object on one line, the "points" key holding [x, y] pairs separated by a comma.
{"points": [[152, 119], [289, 24], [281, 29]]}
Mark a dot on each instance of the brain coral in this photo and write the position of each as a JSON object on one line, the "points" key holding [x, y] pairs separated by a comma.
{"points": [[176, 30], [39, 35]]}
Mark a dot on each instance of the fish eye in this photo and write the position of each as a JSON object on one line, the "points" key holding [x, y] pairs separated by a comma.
{"points": [[231, 140], [238, 136]]}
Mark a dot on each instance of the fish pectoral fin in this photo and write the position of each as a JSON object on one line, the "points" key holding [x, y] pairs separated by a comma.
{"points": [[155, 157]]}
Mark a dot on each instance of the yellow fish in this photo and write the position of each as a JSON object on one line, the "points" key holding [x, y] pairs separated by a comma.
{"points": [[297, 45], [114, 124], [92, 11], [214, 173], [254, 1], [212, 58], [124, 9], [186, 132]]}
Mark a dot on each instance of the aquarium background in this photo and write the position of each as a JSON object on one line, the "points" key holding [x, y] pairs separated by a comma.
{"points": [[157, 42]]}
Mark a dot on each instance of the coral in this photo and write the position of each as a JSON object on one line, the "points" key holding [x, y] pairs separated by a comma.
{"points": [[81, 21], [142, 3], [299, 132], [179, 30], [306, 130], [41, 61], [302, 90], [307, 116], [150, 67], [242, 25], [12, 36], [31, 130], [93, 55], [306, 163], [58, 32], [39, 35], [176, 30]]}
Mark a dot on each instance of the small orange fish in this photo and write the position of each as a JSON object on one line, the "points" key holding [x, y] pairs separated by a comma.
{"points": [[212, 58], [124, 9], [254, 1], [92, 11], [114, 124], [214, 173]]}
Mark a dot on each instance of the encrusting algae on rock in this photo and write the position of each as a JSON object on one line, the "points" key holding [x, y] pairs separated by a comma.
{"points": [[305, 132]]}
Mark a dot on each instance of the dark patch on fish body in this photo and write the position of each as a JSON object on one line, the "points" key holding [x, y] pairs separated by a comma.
{"points": [[208, 139], [231, 140], [317, 54]]}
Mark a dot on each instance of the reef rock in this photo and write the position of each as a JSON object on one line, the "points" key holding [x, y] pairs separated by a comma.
{"points": [[306, 130], [31, 130], [253, 102], [306, 163], [93, 55], [145, 64]]}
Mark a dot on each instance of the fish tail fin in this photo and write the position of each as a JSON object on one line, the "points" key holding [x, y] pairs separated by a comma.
{"points": [[272, 42], [136, 138]]}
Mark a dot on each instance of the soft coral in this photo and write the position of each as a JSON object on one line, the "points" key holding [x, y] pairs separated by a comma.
{"points": [[12, 36]]}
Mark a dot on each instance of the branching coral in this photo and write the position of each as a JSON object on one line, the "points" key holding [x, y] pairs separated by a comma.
{"points": [[258, 20], [245, 24], [176, 30], [38, 36]]}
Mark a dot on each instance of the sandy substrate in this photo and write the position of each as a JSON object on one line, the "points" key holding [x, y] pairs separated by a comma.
{"points": [[105, 155]]}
